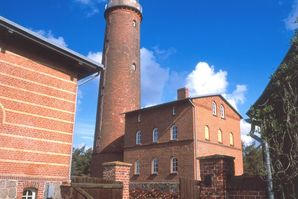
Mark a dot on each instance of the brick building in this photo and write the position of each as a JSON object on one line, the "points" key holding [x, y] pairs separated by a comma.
{"points": [[165, 142], [38, 91]]}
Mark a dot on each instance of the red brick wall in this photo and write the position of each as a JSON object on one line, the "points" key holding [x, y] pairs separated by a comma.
{"points": [[163, 119], [231, 123], [37, 109]]}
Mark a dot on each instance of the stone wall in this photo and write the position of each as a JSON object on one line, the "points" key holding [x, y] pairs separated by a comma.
{"points": [[164, 187], [8, 189]]}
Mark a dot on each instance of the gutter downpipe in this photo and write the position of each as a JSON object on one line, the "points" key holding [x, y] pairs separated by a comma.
{"points": [[195, 138], [267, 162]]}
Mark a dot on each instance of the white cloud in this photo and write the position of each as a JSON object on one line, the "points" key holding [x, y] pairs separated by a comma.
{"points": [[237, 96], [91, 6], [154, 78], [95, 56], [290, 21], [205, 80], [245, 129], [51, 38]]}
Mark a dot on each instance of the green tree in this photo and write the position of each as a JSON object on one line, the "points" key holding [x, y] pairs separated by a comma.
{"points": [[81, 159], [253, 160]]}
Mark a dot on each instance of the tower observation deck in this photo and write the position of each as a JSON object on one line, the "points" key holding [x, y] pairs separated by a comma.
{"points": [[134, 4]]}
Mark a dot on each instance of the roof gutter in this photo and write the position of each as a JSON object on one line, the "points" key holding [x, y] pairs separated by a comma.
{"points": [[267, 161], [24, 32]]}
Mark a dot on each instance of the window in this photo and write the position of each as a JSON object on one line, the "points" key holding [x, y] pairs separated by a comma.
{"points": [[155, 135], [213, 108], [137, 167], [231, 139], [174, 132], [154, 166], [174, 111], [207, 134], [219, 136], [133, 67], [29, 194], [139, 118], [222, 111], [134, 23], [138, 137], [174, 165]]}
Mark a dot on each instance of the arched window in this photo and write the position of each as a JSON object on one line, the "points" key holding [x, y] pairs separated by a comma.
{"points": [[137, 167], [213, 108], [139, 118], [174, 132], [133, 67], [155, 135], [219, 136], [29, 194], [154, 166], [231, 139], [174, 165], [134, 23], [138, 137], [222, 111], [207, 134], [174, 111]]}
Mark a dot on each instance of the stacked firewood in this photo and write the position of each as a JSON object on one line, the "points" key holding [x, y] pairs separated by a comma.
{"points": [[152, 194]]}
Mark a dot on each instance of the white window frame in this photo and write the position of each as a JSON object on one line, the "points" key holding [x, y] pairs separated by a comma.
{"points": [[174, 165], [154, 166], [222, 111], [137, 167], [138, 138], [174, 129], [155, 135], [214, 108], [26, 195]]}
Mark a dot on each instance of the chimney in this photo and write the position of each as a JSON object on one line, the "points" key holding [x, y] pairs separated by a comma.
{"points": [[182, 93]]}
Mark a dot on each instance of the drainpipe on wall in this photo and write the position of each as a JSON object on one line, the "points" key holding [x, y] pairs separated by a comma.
{"points": [[195, 139], [267, 162]]}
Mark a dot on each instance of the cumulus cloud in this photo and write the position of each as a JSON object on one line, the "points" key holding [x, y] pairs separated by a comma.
{"points": [[290, 21], [245, 129], [51, 38], [154, 78], [95, 56], [205, 80]]}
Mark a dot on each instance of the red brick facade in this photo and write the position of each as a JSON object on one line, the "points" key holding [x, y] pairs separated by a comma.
{"points": [[190, 116], [38, 89], [120, 83]]}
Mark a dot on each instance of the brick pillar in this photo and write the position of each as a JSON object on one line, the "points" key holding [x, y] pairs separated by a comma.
{"points": [[119, 172], [216, 172]]}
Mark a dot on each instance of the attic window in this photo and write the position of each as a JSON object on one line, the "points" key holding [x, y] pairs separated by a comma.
{"points": [[174, 111], [139, 118]]}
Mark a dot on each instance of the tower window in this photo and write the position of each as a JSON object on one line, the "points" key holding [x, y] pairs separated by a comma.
{"points": [[154, 166], [155, 135], [139, 118], [174, 111], [134, 23], [174, 165], [137, 167], [133, 67], [138, 137], [174, 132], [222, 111], [207, 134], [29, 194], [213, 108], [219, 136]]}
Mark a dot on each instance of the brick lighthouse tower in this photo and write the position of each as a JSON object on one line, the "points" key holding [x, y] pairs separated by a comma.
{"points": [[120, 83]]}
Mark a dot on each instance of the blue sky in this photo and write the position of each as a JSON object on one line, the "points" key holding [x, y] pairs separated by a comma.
{"points": [[229, 47]]}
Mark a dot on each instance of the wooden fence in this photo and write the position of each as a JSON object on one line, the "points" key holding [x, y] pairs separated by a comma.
{"points": [[189, 189]]}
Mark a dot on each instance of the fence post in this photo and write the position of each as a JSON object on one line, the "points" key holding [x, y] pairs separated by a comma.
{"points": [[119, 172]]}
